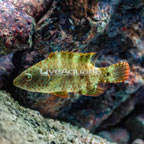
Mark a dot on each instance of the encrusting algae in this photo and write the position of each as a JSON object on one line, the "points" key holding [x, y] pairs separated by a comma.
{"points": [[64, 72]]}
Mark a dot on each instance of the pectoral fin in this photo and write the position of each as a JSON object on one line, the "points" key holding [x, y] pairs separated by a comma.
{"points": [[63, 94], [92, 92]]}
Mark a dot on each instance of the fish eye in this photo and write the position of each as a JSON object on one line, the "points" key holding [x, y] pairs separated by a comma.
{"points": [[108, 74], [28, 77]]}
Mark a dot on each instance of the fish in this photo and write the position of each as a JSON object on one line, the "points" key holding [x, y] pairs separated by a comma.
{"points": [[64, 72]]}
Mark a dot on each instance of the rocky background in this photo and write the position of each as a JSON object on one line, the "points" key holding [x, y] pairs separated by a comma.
{"points": [[31, 29], [19, 125]]}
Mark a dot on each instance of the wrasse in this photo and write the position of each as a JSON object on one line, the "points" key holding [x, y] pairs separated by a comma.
{"points": [[64, 72]]}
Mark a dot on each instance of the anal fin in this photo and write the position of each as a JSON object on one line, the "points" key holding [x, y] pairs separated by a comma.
{"points": [[63, 94], [92, 92]]}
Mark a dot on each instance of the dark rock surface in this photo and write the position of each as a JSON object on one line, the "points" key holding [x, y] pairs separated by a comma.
{"points": [[118, 135], [6, 69], [135, 125]]}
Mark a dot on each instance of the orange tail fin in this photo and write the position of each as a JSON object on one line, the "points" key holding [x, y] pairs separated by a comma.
{"points": [[119, 72]]}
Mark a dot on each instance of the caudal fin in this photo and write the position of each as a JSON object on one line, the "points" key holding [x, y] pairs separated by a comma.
{"points": [[119, 72]]}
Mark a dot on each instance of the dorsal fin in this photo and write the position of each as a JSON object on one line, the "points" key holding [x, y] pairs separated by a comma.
{"points": [[84, 57], [53, 54], [87, 55]]}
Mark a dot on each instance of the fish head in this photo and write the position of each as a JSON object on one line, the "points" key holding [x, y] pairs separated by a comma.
{"points": [[31, 79]]}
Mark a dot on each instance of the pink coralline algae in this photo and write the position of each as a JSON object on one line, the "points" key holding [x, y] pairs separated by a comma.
{"points": [[16, 28], [34, 8]]}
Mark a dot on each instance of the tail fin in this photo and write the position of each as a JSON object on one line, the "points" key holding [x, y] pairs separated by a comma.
{"points": [[119, 72]]}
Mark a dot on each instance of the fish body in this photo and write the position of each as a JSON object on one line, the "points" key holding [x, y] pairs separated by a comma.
{"points": [[64, 72]]}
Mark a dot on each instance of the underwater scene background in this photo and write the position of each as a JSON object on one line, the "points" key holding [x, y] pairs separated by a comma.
{"points": [[31, 29]]}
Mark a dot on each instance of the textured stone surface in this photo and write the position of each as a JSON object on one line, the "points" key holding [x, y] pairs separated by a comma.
{"points": [[34, 8], [20, 125], [6, 69], [138, 141], [135, 125], [118, 135], [125, 108], [16, 28]]}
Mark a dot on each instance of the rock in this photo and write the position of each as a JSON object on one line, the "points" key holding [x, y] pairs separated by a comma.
{"points": [[22, 125], [106, 134], [64, 28], [6, 69], [130, 4], [118, 135], [34, 8], [138, 141], [80, 8], [16, 28], [124, 109], [135, 125]]}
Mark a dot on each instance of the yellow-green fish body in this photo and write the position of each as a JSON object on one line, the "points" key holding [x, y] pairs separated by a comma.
{"points": [[64, 72]]}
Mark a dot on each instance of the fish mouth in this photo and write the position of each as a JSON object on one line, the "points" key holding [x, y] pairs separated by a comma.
{"points": [[15, 83]]}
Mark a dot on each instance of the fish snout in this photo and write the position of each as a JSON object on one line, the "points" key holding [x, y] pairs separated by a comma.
{"points": [[15, 82]]}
